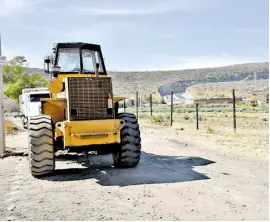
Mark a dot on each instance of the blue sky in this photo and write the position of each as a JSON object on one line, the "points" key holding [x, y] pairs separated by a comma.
{"points": [[141, 34]]}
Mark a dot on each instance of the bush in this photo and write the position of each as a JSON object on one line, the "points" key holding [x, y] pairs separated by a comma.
{"points": [[13, 108], [221, 95], [161, 118], [209, 130], [186, 117], [144, 116], [15, 78], [156, 98], [10, 127]]}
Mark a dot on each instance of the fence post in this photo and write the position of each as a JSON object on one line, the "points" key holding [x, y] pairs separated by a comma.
{"points": [[197, 115], [234, 115], [137, 104], [151, 109], [171, 108], [124, 105]]}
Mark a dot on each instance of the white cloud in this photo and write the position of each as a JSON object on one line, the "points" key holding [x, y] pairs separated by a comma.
{"points": [[49, 10], [182, 63], [168, 35], [11, 7], [40, 29], [146, 9], [253, 29], [205, 62], [33, 60]]}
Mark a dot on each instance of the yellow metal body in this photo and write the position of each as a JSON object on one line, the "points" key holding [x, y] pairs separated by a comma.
{"points": [[78, 133], [92, 132]]}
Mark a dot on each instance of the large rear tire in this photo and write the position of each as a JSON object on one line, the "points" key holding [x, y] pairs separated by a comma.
{"points": [[128, 152], [41, 150]]}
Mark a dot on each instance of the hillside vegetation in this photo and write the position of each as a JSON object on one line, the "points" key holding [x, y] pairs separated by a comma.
{"points": [[244, 89], [127, 83]]}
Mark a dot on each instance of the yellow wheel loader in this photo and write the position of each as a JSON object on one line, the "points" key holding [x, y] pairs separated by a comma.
{"points": [[81, 114]]}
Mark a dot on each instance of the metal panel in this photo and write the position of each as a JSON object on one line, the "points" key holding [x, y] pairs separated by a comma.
{"points": [[88, 98]]}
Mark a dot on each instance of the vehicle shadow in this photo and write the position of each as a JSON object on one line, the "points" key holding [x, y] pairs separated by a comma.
{"points": [[152, 169]]}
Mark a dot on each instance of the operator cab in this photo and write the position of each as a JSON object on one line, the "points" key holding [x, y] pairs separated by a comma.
{"points": [[71, 58]]}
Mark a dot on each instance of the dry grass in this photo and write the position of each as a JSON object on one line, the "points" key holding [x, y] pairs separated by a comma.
{"points": [[156, 98], [10, 127]]}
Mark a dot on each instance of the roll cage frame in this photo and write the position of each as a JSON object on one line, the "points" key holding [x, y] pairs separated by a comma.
{"points": [[80, 46]]}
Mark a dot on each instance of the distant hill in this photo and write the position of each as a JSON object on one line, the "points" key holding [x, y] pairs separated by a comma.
{"points": [[127, 83]]}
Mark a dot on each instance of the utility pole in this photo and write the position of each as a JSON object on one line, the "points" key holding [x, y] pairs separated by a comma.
{"points": [[2, 122]]}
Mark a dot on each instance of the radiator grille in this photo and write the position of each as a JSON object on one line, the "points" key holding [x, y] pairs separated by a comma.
{"points": [[88, 98]]}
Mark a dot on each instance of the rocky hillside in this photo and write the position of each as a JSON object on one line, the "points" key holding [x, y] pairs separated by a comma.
{"points": [[127, 83]]}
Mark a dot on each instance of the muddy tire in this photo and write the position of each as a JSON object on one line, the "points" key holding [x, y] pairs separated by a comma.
{"points": [[41, 151], [128, 152]]}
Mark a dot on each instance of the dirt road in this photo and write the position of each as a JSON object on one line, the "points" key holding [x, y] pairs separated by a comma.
{"points": [[175, 180]]}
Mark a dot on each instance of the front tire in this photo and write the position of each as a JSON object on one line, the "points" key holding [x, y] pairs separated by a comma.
{"points": [[41, 150], [128, 152]]}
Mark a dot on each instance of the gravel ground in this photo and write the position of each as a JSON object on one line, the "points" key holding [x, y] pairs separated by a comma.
{"points": [[175, 180]]}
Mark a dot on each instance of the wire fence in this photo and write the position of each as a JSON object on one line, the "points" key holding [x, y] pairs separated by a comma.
{"points": [[225, 111]]}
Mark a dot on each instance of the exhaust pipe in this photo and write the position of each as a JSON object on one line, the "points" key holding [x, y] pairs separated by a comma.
{"points": [[97, 68]]}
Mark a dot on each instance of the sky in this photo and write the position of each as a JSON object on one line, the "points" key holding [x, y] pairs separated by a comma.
{"points": [[140, 35]]}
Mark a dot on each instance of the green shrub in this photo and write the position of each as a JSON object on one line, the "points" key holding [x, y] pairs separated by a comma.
{"points": [[144, 115], [210, 129], [186, 117], [161, 118]]}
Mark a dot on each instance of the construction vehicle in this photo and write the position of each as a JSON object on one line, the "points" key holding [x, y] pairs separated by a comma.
{"points": [[30, 104], [81, 114]]}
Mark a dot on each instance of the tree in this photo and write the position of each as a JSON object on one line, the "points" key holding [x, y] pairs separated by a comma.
{"points": [[14, 69], [15, 78]]}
